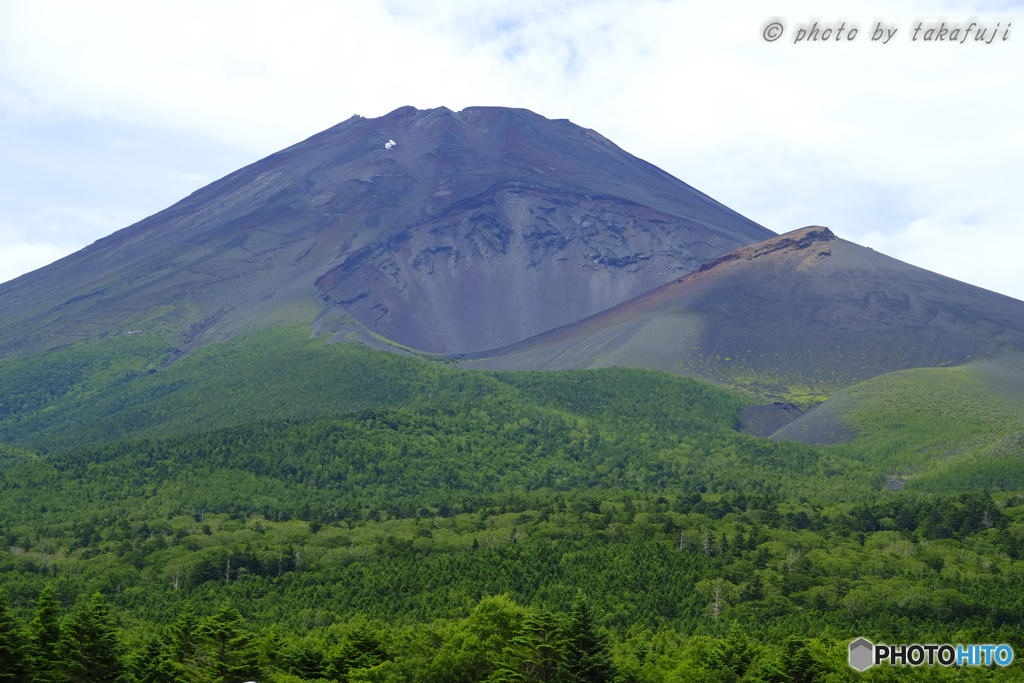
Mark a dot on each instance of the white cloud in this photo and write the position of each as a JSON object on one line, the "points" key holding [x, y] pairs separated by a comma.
{"points": [[19, 258]]}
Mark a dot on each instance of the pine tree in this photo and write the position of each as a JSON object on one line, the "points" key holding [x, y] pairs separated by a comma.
{"points": [[302, 659], [740, 542], [537, 652], [13, 644], [754, 589], [735, 653], [587, 657], [360, 649], [153, 664], [89, 649], [182, 646], [271, 651], [798, 663], [44, 636], [227, 653]]}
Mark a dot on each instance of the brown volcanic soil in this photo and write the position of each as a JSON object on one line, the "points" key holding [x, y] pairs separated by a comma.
{"points": [[477, 229], [800, 315]]}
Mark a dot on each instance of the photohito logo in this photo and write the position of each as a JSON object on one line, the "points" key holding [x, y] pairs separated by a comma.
{"points": [[865, 654]]}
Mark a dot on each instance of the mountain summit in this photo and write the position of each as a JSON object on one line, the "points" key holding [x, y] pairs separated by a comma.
{"points": [[448, 232]]}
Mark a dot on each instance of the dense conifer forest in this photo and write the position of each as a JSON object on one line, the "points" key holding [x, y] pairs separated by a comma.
{"points": [[278, 510]]}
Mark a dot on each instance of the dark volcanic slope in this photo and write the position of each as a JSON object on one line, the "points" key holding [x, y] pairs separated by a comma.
{"points": [[799, 315], [476, 229]]}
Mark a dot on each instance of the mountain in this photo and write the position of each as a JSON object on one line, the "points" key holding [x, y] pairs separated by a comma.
{"points": [[797, 317], [233, 490], [438, 230], [504, 240]]}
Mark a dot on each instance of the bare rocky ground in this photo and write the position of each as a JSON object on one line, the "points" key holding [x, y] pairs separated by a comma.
{"points": [[766, 419]]}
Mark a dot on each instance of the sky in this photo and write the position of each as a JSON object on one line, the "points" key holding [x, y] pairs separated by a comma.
{"points": [[111, 111]]}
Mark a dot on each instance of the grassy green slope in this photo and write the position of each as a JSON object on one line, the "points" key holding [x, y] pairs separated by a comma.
{"points": [[934, 429]]}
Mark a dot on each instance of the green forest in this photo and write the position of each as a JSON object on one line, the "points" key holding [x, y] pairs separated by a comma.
{"points": [[277, 509]]}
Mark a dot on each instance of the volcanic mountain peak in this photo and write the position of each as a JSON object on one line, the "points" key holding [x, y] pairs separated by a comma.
{"points": [[443, 231], [787, 243]]}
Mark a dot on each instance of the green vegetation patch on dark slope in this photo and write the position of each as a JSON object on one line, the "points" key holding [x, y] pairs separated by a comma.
{"points": [[621, 395], [74, 375], [932, 429], [111, 389]]}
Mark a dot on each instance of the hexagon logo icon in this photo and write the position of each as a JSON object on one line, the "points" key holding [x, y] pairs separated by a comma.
{"points": [[861, 654]]}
